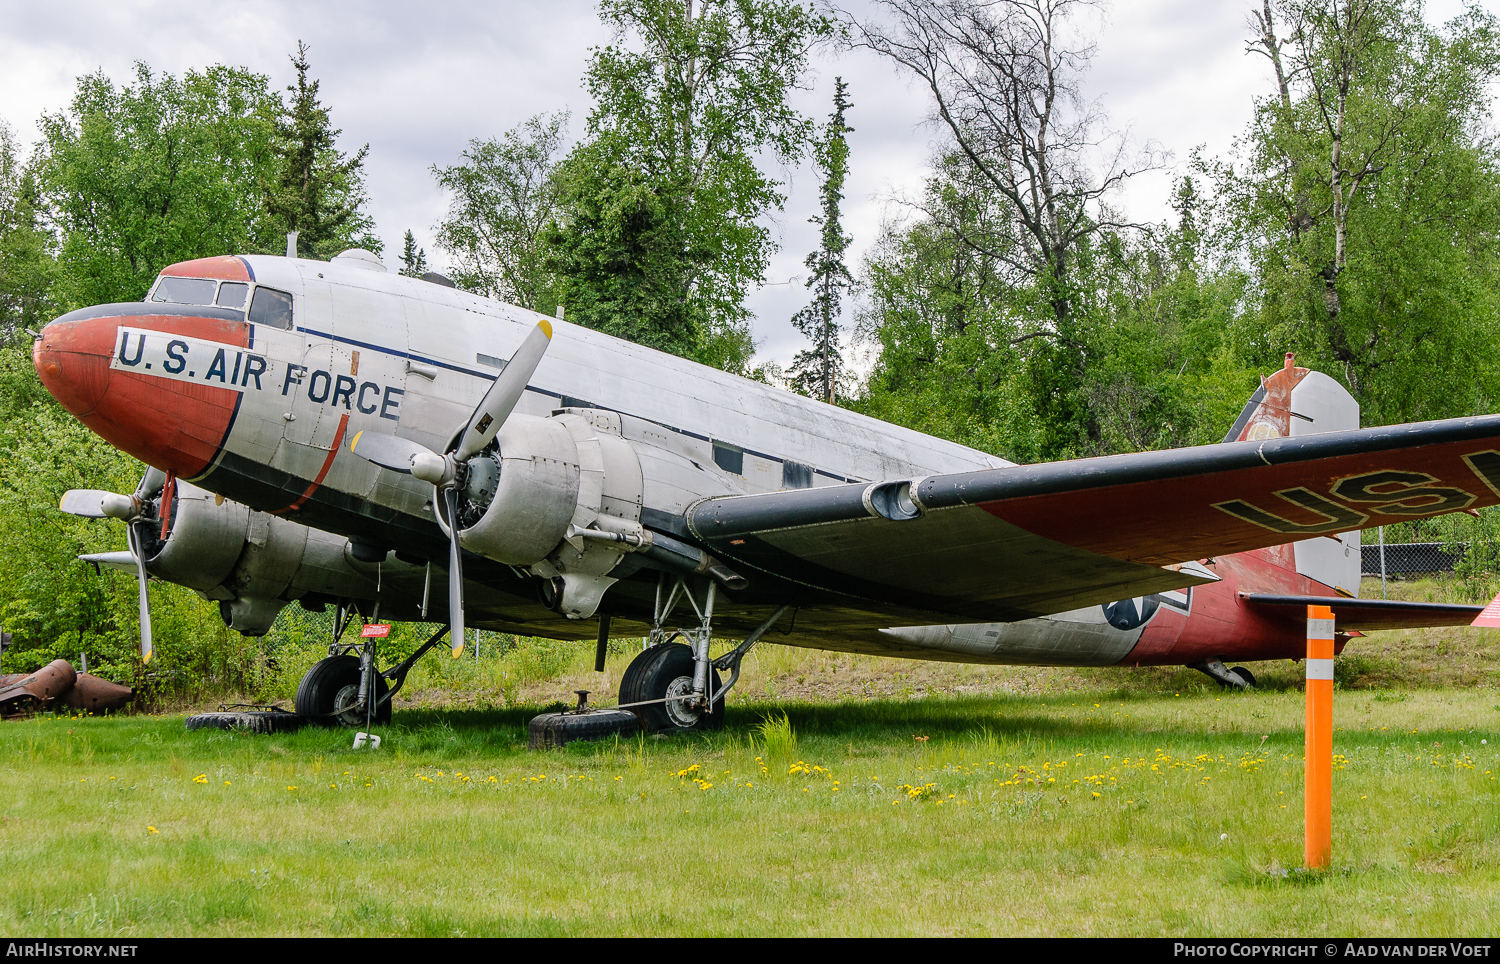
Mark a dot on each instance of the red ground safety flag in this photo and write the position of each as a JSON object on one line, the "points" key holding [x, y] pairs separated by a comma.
{"points": [[375, 629]]}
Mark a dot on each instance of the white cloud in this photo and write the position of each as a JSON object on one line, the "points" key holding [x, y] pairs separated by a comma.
{"points": [[417, 82]]}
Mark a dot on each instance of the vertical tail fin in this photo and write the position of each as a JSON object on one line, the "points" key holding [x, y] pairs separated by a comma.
{"points": [[1292, 402]]}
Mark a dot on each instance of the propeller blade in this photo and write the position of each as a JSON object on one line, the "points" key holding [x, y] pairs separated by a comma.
{"points": [[387, 451], [402, 455], [89, 504], [455, 576], [502, 397], [138, 549], [151, 483]]}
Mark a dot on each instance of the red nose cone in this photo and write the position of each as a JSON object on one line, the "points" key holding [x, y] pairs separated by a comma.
{"points": [[176, 426]]}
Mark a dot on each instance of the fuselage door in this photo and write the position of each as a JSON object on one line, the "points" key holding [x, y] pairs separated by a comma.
{"points": [[368, 388]]}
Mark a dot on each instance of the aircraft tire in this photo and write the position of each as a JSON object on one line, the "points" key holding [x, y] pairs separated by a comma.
{"points": [[326, 686], [254, 721], [556, 729], [649, 677], [630, 679], [1245, 675]]}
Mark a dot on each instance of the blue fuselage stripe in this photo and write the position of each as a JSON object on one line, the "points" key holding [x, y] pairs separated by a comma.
{"points": [[426, 360]]}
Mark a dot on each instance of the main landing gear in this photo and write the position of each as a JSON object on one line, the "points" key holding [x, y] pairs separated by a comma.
{"points": [[345, 689], [675, 687]]}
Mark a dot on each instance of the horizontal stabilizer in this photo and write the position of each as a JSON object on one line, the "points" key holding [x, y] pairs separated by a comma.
{"points": [[1366, 614]]}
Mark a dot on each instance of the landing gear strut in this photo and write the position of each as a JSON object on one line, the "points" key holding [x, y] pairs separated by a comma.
{"points": [[345, 688], [1238, 678], [674, 686]]}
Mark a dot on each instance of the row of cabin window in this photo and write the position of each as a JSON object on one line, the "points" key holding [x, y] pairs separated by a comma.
{"points": [[794, 475], [274, 308], [267, 305]]}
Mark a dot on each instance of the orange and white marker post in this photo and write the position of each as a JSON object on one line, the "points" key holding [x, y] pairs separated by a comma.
{"points": [[1318, 800]]}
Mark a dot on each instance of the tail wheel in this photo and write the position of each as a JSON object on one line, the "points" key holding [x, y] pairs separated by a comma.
{"points": [[1245, 675], [330, 690], [666, 673]]}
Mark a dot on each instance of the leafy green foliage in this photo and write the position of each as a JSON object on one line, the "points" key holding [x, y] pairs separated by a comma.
{"points": [[55, 605], [1368, 202], [818, 371], [27, 257], [162, 170], [319, 191], [966, 350], [1359, 230], [660, 236], [504, 195], [413, 258], [126, 181]]}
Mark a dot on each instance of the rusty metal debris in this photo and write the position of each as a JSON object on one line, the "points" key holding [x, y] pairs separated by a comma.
{"points": [[58, 684]]}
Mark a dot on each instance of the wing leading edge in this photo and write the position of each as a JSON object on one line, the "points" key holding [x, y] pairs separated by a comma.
{"points": [[1024, 541]]}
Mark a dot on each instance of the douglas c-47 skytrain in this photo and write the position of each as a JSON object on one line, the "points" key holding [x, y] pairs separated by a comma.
{"points": [[332, 434]]}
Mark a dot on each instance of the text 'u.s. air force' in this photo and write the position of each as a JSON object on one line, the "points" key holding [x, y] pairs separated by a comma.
{"points": [[198, 361]]}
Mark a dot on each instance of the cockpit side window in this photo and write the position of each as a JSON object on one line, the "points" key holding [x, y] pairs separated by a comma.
{"points": [[232, 294], [185, 291], [271, 307]]}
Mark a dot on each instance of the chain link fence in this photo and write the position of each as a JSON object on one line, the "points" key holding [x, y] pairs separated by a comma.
{"points": [[1412, 558]]}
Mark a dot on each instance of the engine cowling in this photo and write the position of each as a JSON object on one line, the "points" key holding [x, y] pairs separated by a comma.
{"points": [[252, 563], [521, 493], [543, 481]]}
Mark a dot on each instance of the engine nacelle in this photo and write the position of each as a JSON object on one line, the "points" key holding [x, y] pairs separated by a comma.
{"points": [[252, 563], [205, 539], [547, 479], [521, 496]]}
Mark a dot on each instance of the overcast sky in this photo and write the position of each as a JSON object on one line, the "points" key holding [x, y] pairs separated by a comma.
{"points": [[418, 81]]}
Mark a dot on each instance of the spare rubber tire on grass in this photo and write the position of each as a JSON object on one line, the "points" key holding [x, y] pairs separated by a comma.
{"points": [[555, 729], [251, 721]]}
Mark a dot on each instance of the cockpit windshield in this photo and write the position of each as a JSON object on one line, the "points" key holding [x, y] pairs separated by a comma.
{"points": [[271, 307], [185, 291], [232, 294], [267, 306]]}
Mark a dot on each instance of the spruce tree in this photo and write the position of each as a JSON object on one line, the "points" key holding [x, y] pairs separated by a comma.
{"points": [[320, 193], [816, 371], [413, 258]]}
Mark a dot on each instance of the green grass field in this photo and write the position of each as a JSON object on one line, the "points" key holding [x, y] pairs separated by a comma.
{"points": [[1096, 803]]}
